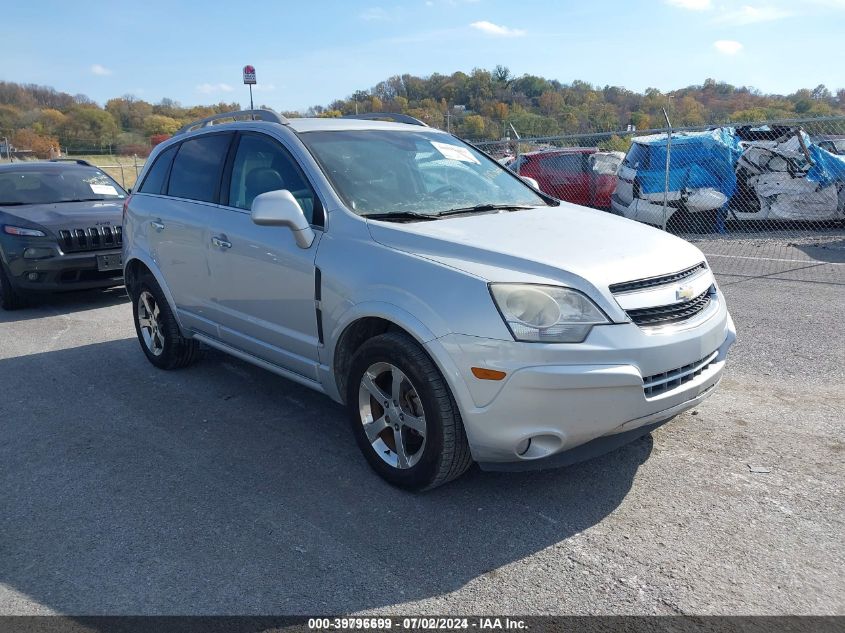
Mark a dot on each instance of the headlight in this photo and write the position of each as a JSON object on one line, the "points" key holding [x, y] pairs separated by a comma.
{"points": [[16, 230], [546, 314]]}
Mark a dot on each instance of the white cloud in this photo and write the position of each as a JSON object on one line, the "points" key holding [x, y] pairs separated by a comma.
{"points": [[97, 69], [833, 4], [752, 15], [727, 47], [208, 89], [374, 14], [264, 87], [494, 29], [691, 5]]}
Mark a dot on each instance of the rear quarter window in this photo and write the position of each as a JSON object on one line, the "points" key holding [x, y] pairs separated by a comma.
{"points": [[156, 178], [197, 167]]}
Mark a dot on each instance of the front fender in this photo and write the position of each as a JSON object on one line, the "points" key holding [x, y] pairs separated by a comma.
{"points": [[367, 309]]}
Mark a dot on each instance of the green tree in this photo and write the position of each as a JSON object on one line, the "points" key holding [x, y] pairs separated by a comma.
{"points": [[88, 127], [160, 124], [472, 126]]}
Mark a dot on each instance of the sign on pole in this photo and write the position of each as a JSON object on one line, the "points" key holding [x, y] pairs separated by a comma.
{"points": [[249, 75], [249, 79]]}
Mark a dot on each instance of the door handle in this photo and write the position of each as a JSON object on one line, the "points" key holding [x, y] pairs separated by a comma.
{"points": [[158, 225], [219, 242]]}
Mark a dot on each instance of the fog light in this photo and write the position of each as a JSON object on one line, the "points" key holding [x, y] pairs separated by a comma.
{"points": [[523, 446], [38, 253], [32, 276]]}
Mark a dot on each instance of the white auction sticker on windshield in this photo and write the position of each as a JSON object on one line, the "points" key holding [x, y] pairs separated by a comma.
{"points": [[104, 190], [455, 152]]}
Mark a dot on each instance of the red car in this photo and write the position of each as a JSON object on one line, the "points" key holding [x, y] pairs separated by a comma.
{"points": [[582, 175]]}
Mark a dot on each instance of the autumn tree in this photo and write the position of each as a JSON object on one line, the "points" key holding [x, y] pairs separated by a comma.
{"points": [[40, 145], [88, 127], [160, 124]]}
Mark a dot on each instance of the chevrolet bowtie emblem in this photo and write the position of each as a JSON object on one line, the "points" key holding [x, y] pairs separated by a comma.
{"points": [[684, 292]]}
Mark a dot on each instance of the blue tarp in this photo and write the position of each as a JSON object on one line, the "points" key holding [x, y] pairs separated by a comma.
{"points": [[827, 168], [697, 160]]}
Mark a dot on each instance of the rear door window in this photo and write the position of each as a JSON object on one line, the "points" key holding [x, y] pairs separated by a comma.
{"points": [[198, 166], [157, 176]]}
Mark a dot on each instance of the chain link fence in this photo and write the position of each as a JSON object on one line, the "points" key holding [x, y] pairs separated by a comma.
{"points": [[752, 194]]}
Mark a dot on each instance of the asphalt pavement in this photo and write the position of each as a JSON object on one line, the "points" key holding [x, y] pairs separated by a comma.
{"points": [[224, 489]]}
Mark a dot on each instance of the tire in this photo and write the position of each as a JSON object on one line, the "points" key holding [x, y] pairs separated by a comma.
{"points": [[10, 298], [684, 222], [433, 457], [157, 329]]}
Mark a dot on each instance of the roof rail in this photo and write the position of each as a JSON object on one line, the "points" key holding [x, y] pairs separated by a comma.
{"points": [[78, 161], [251, 115], [386, 116]]}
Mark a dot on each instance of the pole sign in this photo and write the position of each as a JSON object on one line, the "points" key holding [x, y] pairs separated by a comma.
{"points": [[249, 75]]}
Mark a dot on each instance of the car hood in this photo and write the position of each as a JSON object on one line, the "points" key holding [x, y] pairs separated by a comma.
{"points": [[68, 215], [568, 244]]}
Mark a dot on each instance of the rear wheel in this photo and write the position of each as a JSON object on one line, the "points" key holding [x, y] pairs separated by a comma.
{"points": [[10, 298], [157, 329], [403, 415]]}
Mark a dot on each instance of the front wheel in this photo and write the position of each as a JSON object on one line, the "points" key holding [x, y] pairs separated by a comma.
{"points": [[403, 415], [10, 298], [157, 329]]}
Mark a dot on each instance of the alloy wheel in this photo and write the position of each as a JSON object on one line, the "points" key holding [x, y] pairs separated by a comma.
{"points": [[392, 415], [149, 323]]}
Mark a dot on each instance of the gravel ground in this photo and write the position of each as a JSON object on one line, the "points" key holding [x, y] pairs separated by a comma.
{"points": [[224, 489]]}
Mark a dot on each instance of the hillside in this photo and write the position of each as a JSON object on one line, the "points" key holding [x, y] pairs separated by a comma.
{"points": [[478, 106]]}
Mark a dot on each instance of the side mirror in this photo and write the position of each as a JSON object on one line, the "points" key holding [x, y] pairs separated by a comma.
{"points": [[280, 208], [531, 182]]}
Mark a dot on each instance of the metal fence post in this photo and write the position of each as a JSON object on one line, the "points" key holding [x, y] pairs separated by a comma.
{"points": [[668, 156]]}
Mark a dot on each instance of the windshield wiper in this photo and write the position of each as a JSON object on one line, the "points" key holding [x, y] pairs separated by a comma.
{"points": [[83, 200], [398, 215], [484, 207], [12, 204]]}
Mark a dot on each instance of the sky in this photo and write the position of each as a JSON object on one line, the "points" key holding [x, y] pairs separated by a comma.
{"points": [[310, 52]]}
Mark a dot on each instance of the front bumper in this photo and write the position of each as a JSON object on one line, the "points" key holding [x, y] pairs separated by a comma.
{"points": [[565, 396], [62, 271]]}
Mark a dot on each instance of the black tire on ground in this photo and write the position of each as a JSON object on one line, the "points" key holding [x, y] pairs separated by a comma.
{"points": [[683, 222], [10, 298], [177, 351], [446, 453]]}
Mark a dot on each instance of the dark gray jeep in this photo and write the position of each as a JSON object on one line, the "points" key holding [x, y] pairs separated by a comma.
{"points": [[60, 229]]}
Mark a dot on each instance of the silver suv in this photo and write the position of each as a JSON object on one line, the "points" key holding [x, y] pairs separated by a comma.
{"points": [[459, 313]]}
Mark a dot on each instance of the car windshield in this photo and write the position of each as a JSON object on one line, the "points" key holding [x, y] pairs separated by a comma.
{"points": [[605, 164], [51, 185], [428, 173]]}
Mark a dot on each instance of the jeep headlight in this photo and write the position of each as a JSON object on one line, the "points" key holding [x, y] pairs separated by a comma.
{"points": [[23, 232], [546, 314]]}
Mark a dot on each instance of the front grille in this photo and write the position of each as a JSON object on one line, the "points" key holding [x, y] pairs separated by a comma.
{"points": [[672, 313], [90, 239], [674, 378], [662, 280]]}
